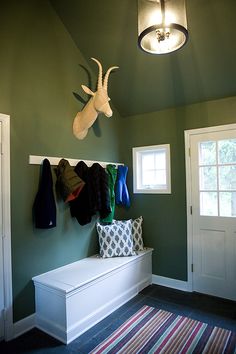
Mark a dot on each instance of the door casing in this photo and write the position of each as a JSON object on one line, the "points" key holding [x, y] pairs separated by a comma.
{"points": [[6, 218], [187, 135]]}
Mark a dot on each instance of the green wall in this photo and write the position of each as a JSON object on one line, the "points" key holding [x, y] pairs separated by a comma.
{"points": [[40, 68], [165, 224]]}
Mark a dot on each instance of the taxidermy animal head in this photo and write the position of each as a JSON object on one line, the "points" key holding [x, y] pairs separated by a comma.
{"points": [[98, 103]]}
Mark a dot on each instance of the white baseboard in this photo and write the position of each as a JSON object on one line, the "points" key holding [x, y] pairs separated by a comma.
{"points": [[24, 325], [171, 283], [27, 323]]}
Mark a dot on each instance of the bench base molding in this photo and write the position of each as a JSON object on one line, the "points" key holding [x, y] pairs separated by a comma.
{"points": [[65, 311], [76, 329]]}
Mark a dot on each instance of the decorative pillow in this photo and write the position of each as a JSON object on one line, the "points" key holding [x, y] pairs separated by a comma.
{"points": [[137, 234], [115, 240]]}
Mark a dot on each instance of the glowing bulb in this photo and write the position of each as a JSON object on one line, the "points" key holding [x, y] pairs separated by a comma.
{"points": [[155, 18], [170, 17]]}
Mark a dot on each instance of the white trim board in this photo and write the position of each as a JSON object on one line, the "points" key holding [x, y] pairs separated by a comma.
{"points": [[37, 160], [24, 325], [170, 283], [27, 323], [6, 217], [216, 128]]}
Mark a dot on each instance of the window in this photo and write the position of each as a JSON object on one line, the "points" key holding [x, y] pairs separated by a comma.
{"points": [[151, 169], [217, 178]]}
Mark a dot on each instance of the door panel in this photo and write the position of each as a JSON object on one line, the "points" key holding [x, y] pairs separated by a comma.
{"points": [[213, 253], [1, 252], [213, 179]]}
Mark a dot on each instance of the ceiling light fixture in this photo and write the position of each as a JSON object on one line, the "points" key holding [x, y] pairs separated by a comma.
{"points": [[162, 25]]}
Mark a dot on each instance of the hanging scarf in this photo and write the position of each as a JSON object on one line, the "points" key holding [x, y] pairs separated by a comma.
{"points": [[112, 174]]}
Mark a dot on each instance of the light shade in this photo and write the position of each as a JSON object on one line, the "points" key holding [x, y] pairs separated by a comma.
{"points": [[162, 25]]}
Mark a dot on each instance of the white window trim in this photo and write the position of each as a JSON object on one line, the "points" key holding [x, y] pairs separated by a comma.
{"points": [[136, 170]]}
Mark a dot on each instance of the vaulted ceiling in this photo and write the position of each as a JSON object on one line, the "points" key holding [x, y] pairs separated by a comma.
{"points": [[204, 69]]}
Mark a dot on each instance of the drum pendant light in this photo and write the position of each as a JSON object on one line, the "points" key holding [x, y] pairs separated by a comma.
{"points": [[162, 25]]}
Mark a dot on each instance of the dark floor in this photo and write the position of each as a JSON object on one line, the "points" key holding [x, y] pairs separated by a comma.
{"points": [[214, 311]]}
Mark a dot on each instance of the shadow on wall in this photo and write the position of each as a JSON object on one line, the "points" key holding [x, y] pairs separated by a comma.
{"points": [[96, 126], [77, 96], [24, 304]]}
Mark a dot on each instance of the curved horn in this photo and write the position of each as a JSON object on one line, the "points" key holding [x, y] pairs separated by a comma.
{"points": [[99, 73], [105, 82]]}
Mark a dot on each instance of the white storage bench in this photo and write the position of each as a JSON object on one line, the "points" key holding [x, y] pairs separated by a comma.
{"points": [[71, 299]]}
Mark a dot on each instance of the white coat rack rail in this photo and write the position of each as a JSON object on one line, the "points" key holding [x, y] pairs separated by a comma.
{"points": [[38, 160]]}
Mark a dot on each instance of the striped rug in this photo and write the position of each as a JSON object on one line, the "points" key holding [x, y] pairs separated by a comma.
{"points": [[156, 331]]}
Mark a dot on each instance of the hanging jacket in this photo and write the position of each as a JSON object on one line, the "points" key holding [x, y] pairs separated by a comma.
{"points": [[80, 207], [122, 194], [44, 208], [69, 183], [112, 173], [94, 198], [99, 196]]}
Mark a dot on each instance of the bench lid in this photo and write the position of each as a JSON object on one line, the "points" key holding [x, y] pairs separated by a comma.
{"points": [[82, 272]]}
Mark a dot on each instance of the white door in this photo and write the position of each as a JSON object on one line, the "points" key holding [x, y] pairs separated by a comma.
{"points": [[1, 250], [213, 182]]}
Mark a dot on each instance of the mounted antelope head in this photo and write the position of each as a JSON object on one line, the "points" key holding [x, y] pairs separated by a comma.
{"points": [[98, 103]]}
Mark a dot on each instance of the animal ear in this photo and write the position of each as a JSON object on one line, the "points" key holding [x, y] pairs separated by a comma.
{"points": [[87, 90]]}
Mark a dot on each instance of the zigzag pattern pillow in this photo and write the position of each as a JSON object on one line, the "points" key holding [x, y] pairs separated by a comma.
{"points": [[137, 234], [115, 240]]}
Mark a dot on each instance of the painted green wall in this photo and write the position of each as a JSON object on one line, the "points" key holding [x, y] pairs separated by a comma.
{"points": [[165, 225], [40, 68]]}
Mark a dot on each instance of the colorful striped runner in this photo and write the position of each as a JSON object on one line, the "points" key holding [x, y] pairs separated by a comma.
{"points": [[156, 331]]}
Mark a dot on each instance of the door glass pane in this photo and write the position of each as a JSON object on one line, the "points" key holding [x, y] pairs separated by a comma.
{"points": [[228, 204], [208, 178], [227, 151], [227, 177], [207, 153], [208, 203]]}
